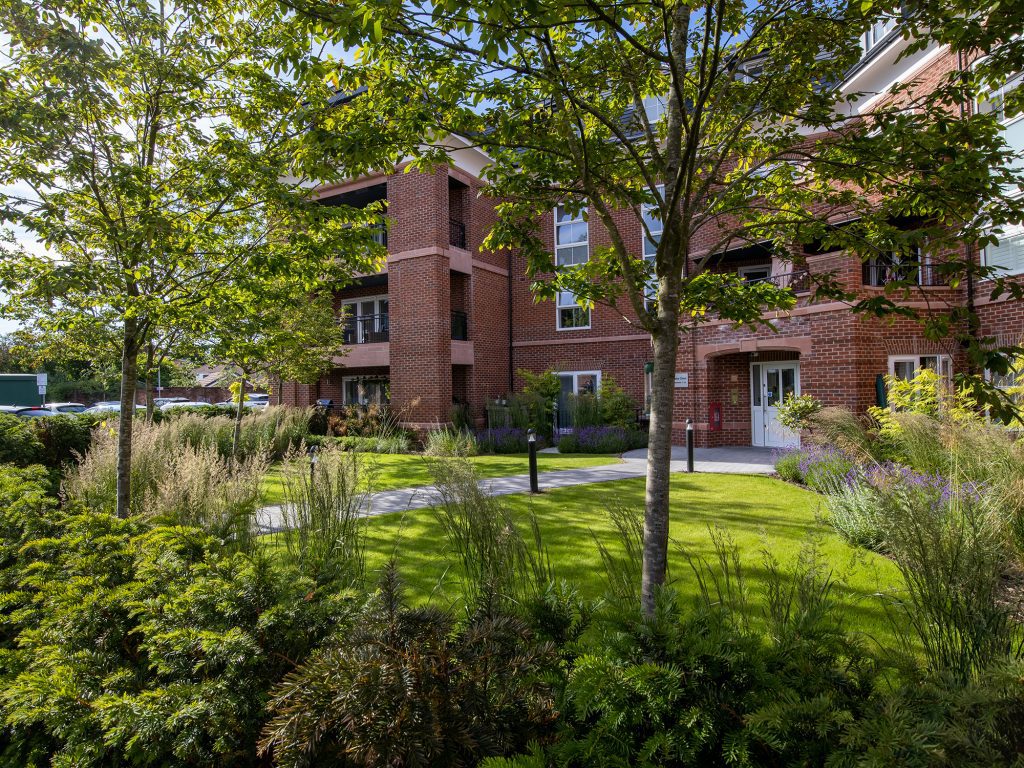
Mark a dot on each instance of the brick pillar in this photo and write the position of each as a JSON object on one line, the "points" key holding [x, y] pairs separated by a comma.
{"points": [[421, 351]]}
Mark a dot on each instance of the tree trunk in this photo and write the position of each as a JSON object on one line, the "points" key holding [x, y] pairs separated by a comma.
{"points": [[237, 437], [150, 405], [659, 456], [129, 381]]}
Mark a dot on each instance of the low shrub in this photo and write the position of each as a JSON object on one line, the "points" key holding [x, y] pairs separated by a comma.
{"points": [[207, 411], [504, 440], [797, 412], [855, 511], [618, 409], [461, 417], [398, 443], [450, 442], [412, 686], [600, 440], [64, 438], [361, 420], [825, 467], [787, 465], [19, 444]]}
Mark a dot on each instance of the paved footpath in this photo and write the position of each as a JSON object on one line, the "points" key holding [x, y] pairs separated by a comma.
{"points": [[745, 461]]}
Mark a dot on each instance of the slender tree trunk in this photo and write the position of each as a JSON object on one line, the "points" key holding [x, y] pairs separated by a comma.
{"points": [[659, 456], [149, 382], [129, 382], [237, 437]]}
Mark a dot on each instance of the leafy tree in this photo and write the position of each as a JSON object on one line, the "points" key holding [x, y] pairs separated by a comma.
{"points": [[146, 146], [722, 122], [275, 329]]}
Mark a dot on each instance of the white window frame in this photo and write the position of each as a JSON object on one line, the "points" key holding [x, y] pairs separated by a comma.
{"points": [[1013, 234], [560, 304], [649, 246], [581, 218], [576, 382], [561, 298], [943, 364], [655, 107], [377, 306], [876, 33]]}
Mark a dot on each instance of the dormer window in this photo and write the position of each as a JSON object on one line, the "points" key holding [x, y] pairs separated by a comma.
{"points": [[654, 108], [877, 33]]}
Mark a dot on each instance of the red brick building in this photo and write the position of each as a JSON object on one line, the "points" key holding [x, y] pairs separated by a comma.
{"points": [[447, 321]]}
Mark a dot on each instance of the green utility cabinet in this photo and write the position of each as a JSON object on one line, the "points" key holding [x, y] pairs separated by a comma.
{"points": [[19, 389]]}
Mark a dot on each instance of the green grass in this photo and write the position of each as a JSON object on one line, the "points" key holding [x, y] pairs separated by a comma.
{"points": [[390, 471], [759, 514]]}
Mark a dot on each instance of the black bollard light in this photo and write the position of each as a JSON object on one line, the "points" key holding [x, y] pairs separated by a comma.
{"points": [[531, 438], [689, 445]]}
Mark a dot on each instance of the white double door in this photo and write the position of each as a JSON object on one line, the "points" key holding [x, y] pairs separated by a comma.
{"points": [[770, 384]]}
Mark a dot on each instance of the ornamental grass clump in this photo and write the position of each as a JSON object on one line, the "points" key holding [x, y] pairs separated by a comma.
{"points": [[949, 542], [323, 513], [499, 568], [447, 442]]}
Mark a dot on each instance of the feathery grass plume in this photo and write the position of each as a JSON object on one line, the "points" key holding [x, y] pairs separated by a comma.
{"points": [[323, 513], [499, 569], [623, 565], [952, 556]]}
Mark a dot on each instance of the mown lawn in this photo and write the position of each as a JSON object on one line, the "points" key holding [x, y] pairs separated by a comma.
{"points": [[759, 514], [390, 471]]}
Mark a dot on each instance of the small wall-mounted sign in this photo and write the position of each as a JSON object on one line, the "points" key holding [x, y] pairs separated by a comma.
{"points": [[682, 380]]}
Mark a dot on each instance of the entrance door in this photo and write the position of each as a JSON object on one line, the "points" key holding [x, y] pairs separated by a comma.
{"points": [[770, 384]]}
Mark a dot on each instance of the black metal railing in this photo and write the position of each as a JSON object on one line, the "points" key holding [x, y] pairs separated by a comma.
{"points": [[460, 325], [366, 329], [881, 273], [457, 234], [798, 281]]}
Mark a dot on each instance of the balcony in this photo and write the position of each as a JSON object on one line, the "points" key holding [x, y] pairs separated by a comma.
{"points": [[456, 234], [878, 273], [798, 281], [366, 329], [460, 326]]}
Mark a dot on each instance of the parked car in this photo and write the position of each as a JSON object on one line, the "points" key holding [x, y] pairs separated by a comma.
{"points": [[66, 407], [181, 404], [26, 411], [160, 402], [110, 406]]}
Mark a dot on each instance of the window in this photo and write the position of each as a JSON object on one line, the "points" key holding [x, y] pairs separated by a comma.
{"points": [[905, 367], [572, 248], [652, 239], [1011, 384], [1008, 256], [366, 320], [571, 316], [754, 274], [877, 33], [361, 390], [654, 108], [574, 383], [572, 237]]}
